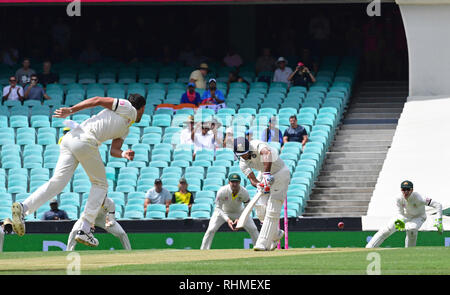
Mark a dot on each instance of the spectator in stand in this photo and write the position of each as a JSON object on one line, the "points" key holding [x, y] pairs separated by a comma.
{"points": [[23, 74], [295, 132], [233, 77], [187, 133], [191, 96], [218, 135], [34, 91], [157, 195], [229, 138], [55, 213], [309, 61], [198, 76], [266, 62], [13, 91], [203, 139], [232, 59], [302, 76], [9, 55], [272, 133], [213, 95], [47, 77], [282, 73], [183, 196], [90, 54]]}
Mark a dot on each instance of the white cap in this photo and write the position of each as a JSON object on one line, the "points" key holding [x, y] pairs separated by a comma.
{"points": [[229, 130], [280, 59]]}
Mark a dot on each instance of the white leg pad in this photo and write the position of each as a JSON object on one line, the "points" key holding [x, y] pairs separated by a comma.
{"points": [[269, 229], [382, 235]]}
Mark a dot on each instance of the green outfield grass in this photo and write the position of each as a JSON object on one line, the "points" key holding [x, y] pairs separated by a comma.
{"points": [[329, 261]]}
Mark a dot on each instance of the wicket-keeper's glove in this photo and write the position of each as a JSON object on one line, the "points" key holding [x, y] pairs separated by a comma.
{"points": [[399, 225], [438, 225]]}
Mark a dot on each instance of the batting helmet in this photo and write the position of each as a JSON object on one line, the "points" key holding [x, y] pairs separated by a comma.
{"points": [[241, 146]]}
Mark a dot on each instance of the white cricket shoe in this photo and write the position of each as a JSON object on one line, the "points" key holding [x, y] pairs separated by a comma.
{"points": [[278, 237], [87, 239], [18, 219]]}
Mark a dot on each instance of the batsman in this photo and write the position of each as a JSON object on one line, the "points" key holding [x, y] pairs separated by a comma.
{"points": [[410, 216], [272, 180]]}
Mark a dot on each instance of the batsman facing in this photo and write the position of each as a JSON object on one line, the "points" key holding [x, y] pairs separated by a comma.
{"points": [[273, 179], [410, 217]]}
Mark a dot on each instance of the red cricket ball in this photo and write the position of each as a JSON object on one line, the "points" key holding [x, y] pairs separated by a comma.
{"points": [[341, 225]]}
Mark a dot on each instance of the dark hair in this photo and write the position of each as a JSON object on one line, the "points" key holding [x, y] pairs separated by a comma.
{"points": [[137, 100], [293, 116], [34, 75]]}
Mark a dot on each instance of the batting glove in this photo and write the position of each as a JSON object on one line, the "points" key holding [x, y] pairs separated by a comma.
{"points": [[399, 225], [266, 182], [438, 225]]}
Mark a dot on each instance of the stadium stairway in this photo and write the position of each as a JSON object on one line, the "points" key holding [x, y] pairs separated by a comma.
{"points": [[354, 160]]}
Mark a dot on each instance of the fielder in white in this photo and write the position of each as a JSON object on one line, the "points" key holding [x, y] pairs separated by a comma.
{"points": [[106, 219], [274, 177], [80, 145], [410, 217], [5, 228], [229, 200]]}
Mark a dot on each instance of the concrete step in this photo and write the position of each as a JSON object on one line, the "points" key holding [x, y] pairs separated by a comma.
{"points": [[384, 105], [361, 143], [335, 209], [360, 149], [354, 115], [333, 190], [364, 136], [364, 167], [349, 173], [354, 161], [379, 99], [365, 132], [368, 127], [355, 155], [367, 109], [338, 203], [372, 178], [339, 184], [346, 196]]}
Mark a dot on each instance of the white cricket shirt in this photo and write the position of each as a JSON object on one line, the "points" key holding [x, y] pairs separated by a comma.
{"points": [[227, 203], [256, 161]]}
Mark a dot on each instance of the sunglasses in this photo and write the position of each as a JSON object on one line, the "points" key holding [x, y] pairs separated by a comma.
{"points": [[33, 79], [406, 189], [14, 80]]}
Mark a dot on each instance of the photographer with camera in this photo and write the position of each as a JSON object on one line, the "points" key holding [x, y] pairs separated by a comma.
{"points": [[302, 76], [34, 91]]}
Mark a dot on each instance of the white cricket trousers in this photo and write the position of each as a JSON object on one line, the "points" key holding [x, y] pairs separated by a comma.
{"points": [[412, 226], [116, 230], [216, 222], [268, 207], [76, 147]]}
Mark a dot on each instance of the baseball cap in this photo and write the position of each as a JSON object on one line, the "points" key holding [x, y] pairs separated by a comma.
{"points": [[280, 59], [53, 201], [229, 130], [406, 184], [203, 66], [234, 177], [190, 84], [182, 180], [158, 180], [212, 80], [300, 64]]}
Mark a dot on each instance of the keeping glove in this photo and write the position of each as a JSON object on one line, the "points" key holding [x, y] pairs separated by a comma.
{"points": [[399, 225], [438, 225]]}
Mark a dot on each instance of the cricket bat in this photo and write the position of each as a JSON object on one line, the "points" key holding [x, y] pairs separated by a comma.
{"points": [[248, 209]]}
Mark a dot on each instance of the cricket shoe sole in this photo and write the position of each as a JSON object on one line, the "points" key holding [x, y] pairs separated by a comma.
{"points": [[18, 221]]}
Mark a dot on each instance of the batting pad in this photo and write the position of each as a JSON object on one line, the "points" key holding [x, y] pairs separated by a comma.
{"points": [[270, 226]]}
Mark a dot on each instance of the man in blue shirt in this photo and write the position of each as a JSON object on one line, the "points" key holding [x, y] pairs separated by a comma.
{"points": [[212, 94], [55, 213], [272, 133], [191, 96], [157, 195], [295, 132], [34, 91]]}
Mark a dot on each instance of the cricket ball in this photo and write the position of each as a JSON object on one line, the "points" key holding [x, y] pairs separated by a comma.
{"points": [[341, 225]]}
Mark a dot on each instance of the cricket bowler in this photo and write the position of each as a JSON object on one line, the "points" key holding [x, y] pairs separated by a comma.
{"points": [[273, 179], [410, 217], [229, 200], [106, 219], [80, 145]]}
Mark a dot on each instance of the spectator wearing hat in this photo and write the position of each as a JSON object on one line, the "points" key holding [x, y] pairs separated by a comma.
{"points": [[302, 76], [283, 72], [55, 213], [203, 139], [183, 196], [188, 131], [272, 133], [198, 76], [229, 201], [191, 96], [157, 195], [212, 95], [13, 91]]}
